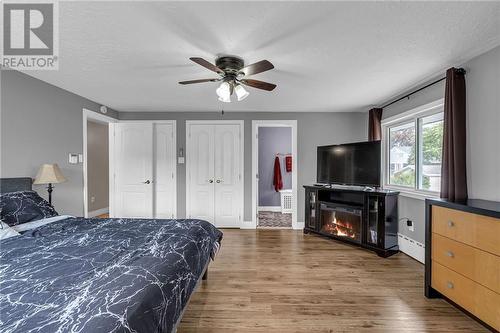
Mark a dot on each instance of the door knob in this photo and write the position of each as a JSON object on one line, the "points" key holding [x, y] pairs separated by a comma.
{"points": [[210, 181], [219, 181], [147, 182]]}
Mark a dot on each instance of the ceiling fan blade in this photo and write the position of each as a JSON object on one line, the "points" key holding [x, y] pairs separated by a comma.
{"points": [[199, 81], [206, 64], [256, 68], [258, 84]]}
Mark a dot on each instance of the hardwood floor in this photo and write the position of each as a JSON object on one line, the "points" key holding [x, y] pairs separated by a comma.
{"points": [[284, 281]]}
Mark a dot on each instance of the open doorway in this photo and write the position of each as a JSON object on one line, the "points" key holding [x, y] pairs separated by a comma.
{"points": [[275, 174], [96, 163]]}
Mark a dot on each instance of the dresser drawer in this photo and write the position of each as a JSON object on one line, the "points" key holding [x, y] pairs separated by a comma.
{"points": [[479, 231], [480, 266], [480, 301]]}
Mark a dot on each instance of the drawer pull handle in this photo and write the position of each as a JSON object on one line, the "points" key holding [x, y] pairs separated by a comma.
{"points": [[450, 254], [451, 224], [449, 285]]}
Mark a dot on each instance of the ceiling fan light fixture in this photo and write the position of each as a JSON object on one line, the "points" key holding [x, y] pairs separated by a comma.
{"points": [[233, 74], [225, 100], [224, 92], [241, 92]]}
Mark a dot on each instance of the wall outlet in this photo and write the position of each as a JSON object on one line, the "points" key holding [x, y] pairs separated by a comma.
{"points": [[410, 225], [92, 199]]}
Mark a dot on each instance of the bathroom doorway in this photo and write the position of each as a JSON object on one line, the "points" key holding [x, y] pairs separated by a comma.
{"points": [[275, 174]]}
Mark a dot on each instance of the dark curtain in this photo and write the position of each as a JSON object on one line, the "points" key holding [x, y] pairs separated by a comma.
{"points": [[453, 168], [374, 126]]}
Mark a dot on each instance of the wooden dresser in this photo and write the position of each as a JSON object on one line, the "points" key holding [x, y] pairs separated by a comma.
{"points": [[462, 258]]}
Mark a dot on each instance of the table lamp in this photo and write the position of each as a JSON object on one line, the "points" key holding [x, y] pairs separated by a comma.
{"points": [[49, 174]]}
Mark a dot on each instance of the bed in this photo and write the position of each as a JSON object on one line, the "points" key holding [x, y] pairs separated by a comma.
{"points": [[101, 275]]}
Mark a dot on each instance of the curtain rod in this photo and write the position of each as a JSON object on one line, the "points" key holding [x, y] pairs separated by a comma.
{"points": [[460, 70]]}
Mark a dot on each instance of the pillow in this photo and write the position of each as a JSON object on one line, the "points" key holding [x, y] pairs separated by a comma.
{"points": [[24, 206], [6, 231]]}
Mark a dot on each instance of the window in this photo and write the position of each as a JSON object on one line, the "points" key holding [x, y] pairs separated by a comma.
{"points": [[429, 150], [412, 150], [402, 155]]}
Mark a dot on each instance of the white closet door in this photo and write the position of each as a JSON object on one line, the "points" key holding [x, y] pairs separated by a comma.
{"points": [[164, 182], [133, 170], [200, 162], [227, 176]]}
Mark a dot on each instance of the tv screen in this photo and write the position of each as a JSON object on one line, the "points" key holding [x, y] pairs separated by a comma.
{"points": [[349, 164]]}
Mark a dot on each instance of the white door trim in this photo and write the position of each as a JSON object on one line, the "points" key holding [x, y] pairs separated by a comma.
{"points": [[255, 166], [241, 123], [100, 118]]}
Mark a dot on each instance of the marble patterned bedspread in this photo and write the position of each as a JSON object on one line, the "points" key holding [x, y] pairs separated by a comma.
{"points": [[102, 275]]}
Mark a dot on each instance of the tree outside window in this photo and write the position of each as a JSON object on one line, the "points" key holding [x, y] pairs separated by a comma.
{"points": [[414, 156], [430, 148], [402, 155]]}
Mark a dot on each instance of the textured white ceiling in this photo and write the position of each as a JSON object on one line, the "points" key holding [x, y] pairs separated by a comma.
{"points": [[329, 56]]}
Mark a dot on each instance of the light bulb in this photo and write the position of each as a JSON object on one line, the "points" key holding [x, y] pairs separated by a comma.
{"points": [[241, 93]]}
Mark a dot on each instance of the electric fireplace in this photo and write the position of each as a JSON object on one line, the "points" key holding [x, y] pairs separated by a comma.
{"points": [[365, 217], [341, 221]]}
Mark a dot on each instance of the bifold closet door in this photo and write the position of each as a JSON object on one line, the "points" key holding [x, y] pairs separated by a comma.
{"points": [[200, 170], [133, 162], [164, 170], [214, 173], [227, 176]]}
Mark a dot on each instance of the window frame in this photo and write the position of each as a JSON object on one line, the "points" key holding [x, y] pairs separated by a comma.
{"points": [[410, 116]]}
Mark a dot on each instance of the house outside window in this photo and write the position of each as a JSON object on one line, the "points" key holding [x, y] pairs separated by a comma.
{"points": [[412, 150]]}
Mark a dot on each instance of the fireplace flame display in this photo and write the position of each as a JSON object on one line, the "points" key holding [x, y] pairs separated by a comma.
{"points": [[342, 224], [340, 228]]}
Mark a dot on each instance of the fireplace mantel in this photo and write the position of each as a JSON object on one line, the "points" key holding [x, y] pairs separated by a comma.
{"points": [[365, 217]]}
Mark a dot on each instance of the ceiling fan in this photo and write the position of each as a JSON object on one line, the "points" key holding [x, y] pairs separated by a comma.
{"points": [[233, 73]]}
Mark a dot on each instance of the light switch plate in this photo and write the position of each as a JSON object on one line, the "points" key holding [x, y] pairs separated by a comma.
{"points": [[72, 158], [80, 158], [180, 160]]}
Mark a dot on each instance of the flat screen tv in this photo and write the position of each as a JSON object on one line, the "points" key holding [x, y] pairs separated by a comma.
{"points": [[350, 164]]}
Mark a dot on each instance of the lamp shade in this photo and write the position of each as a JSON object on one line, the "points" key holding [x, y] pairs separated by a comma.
{"points": [[49, 174], [241, 92], [224, 92]]}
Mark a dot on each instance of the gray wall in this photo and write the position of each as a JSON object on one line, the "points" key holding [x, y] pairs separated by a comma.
{"points": [[273, 140], [41, 123], [483, 135], [97, 165], [483, 125], [314, 129]]}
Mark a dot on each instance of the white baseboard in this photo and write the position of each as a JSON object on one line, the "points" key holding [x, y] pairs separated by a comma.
{"points": [[247, 225], [411, 247], [269, 208], [300, 225], [98, 212]]}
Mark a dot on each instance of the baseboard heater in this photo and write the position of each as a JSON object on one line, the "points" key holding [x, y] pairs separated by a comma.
{"points": [[411, 247]]}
